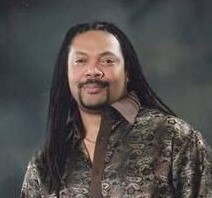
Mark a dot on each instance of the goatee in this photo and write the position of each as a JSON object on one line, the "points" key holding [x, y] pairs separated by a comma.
{"points": [[99, 107]]}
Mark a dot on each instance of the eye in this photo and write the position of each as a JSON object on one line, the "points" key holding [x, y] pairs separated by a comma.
{"points": [[80, 61], [107, 61]]}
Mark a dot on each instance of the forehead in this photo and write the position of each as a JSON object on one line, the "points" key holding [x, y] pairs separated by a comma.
{"points": [[95, 41]]}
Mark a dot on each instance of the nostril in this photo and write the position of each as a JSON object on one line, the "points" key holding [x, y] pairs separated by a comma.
{"points": [[94, 72], [99, 73]]}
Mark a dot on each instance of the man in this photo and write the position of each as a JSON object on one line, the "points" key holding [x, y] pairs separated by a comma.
{"points": [[109, 134]]}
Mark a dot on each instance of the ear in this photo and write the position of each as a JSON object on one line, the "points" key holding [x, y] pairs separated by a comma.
{"points": [[127, 80], [126, 77]]}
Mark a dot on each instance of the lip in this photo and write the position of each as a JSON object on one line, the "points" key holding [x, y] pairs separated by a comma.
{"points": [[92, 88]]}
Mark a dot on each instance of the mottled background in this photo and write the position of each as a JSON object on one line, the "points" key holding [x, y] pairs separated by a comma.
{"points": [[173, 39]]}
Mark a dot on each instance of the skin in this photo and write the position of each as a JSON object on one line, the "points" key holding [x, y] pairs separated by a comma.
{"points": [[97, 77]]}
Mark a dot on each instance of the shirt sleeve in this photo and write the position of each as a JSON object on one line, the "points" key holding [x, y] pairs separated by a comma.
{"points": [[31, 187], [192, 164]]}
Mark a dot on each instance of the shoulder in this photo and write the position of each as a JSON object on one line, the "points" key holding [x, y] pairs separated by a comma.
{"points": [[32, 172], [181, 131], [149, 118], [168, 127], [32, 181]]}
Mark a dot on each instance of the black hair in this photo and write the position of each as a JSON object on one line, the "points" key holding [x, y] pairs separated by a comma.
{"points": [[62, 105]]}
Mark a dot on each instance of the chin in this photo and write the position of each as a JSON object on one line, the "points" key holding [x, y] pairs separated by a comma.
{"points": [[94, 108], [94, 104]]}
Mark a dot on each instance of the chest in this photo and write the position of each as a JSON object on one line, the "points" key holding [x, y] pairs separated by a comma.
{"points": [[136, 164]]}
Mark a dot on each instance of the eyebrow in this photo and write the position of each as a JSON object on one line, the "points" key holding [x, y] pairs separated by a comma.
{"points": [[106, 53], [81, 53]]}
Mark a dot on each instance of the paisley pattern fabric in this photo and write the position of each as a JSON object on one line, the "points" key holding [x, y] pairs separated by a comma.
{"points": [[158, 156]]}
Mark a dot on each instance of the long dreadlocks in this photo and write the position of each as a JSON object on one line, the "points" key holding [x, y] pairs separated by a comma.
{"points": [[63, 105]]}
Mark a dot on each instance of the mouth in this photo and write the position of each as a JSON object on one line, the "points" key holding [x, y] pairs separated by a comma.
{"points": [[93, 86]]}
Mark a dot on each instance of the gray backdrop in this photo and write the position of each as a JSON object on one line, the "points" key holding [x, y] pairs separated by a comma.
{"points": [[173, 40]]}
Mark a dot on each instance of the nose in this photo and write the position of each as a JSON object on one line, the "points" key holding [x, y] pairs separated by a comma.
{"points": [[94, 71]]}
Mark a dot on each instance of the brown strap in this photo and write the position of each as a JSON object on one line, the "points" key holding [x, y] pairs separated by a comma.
{"points": [[99, 157]]}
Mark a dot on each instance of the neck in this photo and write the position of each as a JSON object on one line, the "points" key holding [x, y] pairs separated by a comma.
{"points": [[91, 123]]}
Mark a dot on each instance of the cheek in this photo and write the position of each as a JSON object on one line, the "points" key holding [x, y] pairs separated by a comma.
{"points": [[72, 80], [73, 76], [119, 82]]}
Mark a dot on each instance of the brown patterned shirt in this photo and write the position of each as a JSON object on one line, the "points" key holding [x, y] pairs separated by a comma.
{"points": [[155, 156]]}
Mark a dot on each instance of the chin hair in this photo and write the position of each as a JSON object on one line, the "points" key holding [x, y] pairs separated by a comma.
{"points": [[94, 108]]}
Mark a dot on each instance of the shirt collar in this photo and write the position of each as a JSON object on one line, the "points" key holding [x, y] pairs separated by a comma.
{"points": [[128, 106]]}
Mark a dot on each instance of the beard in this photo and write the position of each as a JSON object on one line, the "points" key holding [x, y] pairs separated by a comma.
{"points": [[99, 105], [96, 107]]}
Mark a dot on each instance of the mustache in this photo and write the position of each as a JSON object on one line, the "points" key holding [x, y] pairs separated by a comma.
{"points": [[94, 81]]}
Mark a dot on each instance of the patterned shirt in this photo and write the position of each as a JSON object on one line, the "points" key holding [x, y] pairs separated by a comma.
{"points": [[155, 156]]}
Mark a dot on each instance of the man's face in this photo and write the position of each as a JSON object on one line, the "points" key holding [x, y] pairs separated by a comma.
{"points": [[96, 71]]}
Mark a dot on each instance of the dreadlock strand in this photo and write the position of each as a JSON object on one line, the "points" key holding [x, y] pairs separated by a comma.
{"points": [[62, 103]]}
